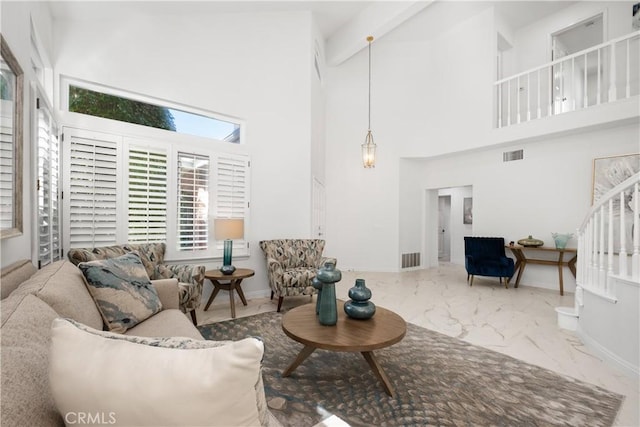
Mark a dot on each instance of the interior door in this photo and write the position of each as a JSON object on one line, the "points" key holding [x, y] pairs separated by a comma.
{"points": [[318, 209], [568, 76]]}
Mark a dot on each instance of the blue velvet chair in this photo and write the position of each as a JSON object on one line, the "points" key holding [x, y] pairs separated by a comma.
{"points": [[485, 256]]}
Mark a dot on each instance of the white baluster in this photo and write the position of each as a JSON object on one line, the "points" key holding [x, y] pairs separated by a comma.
{"points": [[580, 264], [518, 100], [623, 238], [599, 79], [508, 102], [528, 97], [635, 258], [585, 103], [601, 272], [573, 84], [539, 112], [594, 252], [610, 243], [551, 91], [500, 105], [562, 97], [628, 86], [588, 257], [613, 91]]}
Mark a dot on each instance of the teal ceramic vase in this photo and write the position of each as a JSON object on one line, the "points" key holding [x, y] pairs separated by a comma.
{"points": [[317, 284], [561, 239], [359, 306], [328, 275]]}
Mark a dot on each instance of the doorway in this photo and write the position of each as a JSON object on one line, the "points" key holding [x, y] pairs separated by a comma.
{"points": [[444, 228], [568, 88]]}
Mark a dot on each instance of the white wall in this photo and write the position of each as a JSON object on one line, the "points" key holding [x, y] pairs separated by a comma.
{"points": [[420, 92], [548, 191], [432, 97], [533, 43], [16, 29], [256, 67]]}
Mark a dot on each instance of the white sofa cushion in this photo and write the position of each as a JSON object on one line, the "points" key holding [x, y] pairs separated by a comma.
{"points": [[126, 380]]}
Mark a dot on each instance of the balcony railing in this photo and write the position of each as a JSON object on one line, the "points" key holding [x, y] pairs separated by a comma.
{"points": [[601, 74]]}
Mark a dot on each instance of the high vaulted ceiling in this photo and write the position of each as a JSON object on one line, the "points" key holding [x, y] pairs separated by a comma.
{"points": [[343, 24]]}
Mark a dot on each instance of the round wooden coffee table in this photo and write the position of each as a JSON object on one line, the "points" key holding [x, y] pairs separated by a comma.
{"points": [[385, 328]]}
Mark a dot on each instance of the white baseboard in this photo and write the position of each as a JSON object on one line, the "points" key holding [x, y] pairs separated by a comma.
{"points": [[609, 357]]}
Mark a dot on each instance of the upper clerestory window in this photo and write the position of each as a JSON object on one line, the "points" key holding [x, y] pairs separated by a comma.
{"points": [[115, 107]]}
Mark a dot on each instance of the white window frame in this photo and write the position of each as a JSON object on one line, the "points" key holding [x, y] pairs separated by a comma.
{"points": [[66, 81], [39, 100]]}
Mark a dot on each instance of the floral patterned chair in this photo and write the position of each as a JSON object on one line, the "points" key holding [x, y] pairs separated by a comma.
{"points": [[190, 277], [291, 265]]}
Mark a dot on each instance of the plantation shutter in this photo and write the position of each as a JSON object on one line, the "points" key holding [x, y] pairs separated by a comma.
{"points": [[93, 179], [193, 202], [232, 194], [147, 205], [6, 165], [49, 239]]}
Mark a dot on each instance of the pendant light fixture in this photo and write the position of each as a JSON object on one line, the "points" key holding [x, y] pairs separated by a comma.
{"points": [[369, 146]]}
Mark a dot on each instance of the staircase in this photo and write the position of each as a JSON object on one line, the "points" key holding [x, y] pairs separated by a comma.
{"points": [[607, 299]]}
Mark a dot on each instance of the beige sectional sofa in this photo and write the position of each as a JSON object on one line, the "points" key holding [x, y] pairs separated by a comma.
{"points": [[31, 301]]}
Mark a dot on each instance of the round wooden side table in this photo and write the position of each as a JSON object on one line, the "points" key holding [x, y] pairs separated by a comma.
{"points": [[233, 282]]}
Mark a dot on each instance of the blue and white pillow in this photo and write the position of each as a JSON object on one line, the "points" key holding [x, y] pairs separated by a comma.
{"points": [[122, 290]]}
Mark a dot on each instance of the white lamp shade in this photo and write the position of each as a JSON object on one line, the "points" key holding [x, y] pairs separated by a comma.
{"points": [[228, 228]]}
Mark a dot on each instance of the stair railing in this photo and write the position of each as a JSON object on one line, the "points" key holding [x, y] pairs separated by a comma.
{"points": [[609, 239]]}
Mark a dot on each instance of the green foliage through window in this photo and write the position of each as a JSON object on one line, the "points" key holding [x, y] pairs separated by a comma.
{"points": [[113, 107], [100, 104]]}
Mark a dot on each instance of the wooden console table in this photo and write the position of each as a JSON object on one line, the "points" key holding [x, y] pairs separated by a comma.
{"points": [[522, 260]]}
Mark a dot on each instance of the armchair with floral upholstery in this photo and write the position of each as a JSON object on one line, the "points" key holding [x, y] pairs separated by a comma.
{"points": [[291, 265], [190, 277]]}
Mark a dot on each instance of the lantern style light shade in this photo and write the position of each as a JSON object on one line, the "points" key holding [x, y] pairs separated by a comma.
{"points": [[228, 229], [369, 151], [369, 146]]}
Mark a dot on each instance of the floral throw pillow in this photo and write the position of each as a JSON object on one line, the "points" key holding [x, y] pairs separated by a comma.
{"points": [[122, 290]]}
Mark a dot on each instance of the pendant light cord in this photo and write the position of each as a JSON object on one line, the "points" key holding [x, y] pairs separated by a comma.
{"points": [[369, 39]]}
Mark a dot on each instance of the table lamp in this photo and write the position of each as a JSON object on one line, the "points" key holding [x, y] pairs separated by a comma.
{"points": [[228, 229]]}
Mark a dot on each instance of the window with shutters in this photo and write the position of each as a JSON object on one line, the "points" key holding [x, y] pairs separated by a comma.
{"points": [[48, 232], [193, 202], [147, 204], [123, 189], [6, 165], [232, 197], [92, 201]]}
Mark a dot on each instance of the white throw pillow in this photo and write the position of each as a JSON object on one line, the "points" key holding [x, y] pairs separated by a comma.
{"points": [[96, 379]]}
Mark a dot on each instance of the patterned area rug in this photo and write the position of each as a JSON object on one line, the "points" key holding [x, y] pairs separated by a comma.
{"points": [[438, 380]]}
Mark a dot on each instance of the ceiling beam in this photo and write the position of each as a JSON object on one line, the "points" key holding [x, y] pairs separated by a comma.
{"points": [[376, 20]]}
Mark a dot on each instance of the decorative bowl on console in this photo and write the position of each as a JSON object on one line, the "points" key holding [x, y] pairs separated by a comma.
{"points": [[530, 242]]}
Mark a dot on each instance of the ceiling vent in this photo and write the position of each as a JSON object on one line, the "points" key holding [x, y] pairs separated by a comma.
{"points": [[509, 156]]}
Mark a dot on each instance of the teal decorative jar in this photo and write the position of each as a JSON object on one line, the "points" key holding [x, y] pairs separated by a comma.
{"points": [[317, 284], [561, 239], [328, 275], [359, 306]]}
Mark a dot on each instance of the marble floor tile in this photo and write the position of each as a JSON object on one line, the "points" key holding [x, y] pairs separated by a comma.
{"points": [[519, 322]]}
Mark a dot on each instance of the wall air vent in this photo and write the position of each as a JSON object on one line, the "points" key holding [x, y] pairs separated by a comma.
{"points": [[411, 260], [509, 156]]}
